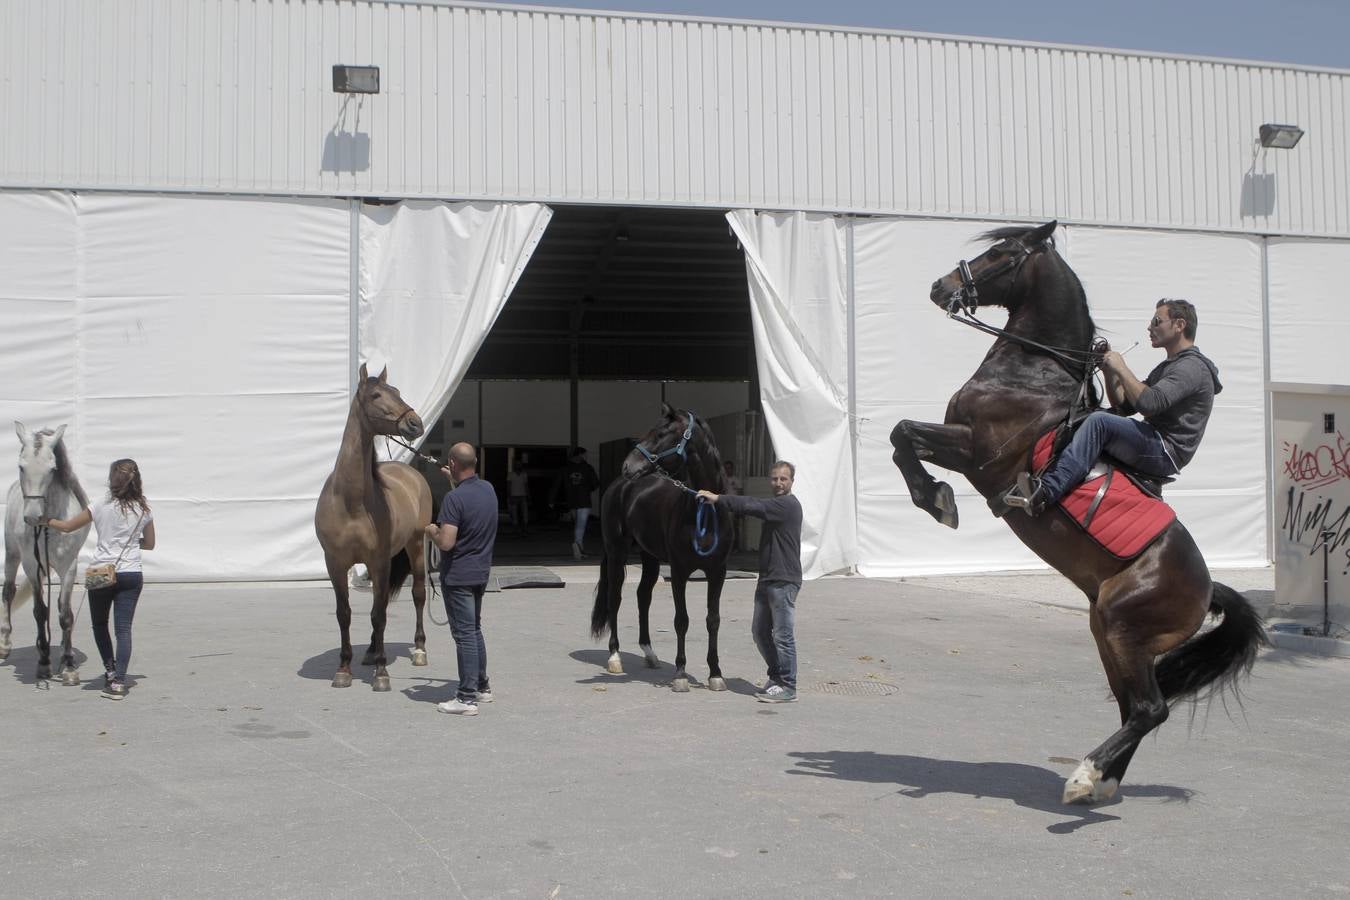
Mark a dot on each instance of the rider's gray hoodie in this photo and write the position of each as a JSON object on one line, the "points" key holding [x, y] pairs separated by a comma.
{"points": [[1178, 401]]}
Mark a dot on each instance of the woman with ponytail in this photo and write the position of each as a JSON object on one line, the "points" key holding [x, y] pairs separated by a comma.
{"points": [[125, 526]]}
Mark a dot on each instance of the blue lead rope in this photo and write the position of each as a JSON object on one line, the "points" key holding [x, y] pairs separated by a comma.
{"points": [[701, 527]]}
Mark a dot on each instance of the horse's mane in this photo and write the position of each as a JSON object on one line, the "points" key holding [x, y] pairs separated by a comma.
{"points": [[994, 235], [65, 472], [708, 450]]}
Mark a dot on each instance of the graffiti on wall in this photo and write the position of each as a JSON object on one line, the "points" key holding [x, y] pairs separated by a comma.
{"points": [[1320, 465]]}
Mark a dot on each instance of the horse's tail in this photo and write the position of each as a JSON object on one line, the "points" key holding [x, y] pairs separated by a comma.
{"points": [[400, 567], [600, 611], [1214, 661]]}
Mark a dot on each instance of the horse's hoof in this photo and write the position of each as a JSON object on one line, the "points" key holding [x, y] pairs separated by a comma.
{"points": [[716, 683], [680, 685], [614, 666], [945, 503], [44, 672], [1085, 785], [70, 677], [4, 653], [342, 679], [380, 684], [419, 657]]}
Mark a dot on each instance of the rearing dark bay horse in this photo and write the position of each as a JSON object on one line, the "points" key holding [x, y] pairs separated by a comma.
{"points": [[651, 504], [1145, 612]]}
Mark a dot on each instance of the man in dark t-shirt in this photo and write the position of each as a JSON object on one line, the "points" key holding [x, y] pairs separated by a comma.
{"points": [[780, 578], [465, 531]]}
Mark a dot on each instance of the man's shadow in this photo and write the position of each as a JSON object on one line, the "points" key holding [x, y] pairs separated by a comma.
{"points": [[1027, 786]]}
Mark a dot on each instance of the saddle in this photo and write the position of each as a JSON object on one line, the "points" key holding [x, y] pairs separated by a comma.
{"points": [[1119, 507]]}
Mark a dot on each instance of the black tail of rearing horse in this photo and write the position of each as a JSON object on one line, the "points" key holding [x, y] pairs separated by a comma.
{"points": [[1214, 661]]}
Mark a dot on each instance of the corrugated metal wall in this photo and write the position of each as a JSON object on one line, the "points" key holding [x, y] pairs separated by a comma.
{"points": [[234, 95]]}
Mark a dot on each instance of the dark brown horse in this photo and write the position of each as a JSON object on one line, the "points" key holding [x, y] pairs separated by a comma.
{"points": [[1141, 609], [374, 513], [652, 503]]}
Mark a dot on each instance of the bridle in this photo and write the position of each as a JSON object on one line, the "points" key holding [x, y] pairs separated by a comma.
{"points": [[965, 300], [677, 450]]}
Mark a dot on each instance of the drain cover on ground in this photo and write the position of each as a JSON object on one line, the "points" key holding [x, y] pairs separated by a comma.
{"points": [[856, 688]]}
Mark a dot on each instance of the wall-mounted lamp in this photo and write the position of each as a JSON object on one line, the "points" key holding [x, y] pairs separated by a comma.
{"points": [[1281, 137], [362, 80]]}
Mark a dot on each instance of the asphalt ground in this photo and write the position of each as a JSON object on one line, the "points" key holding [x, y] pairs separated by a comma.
{"points": [[937, 720]]}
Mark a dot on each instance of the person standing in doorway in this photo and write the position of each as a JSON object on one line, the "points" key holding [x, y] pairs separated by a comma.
{"points": [[465, 531], [518, 497], [780, 578], [579, 481], [125, 526]]}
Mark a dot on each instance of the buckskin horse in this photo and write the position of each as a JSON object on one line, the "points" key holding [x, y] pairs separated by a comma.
{"points": [[374, 513], [653, 504], [1145, 612]]}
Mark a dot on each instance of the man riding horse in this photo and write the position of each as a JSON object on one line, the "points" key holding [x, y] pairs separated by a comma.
{"points": [[1175, 400]]}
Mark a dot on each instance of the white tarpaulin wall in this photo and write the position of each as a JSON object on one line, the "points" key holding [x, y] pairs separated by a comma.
{"points": [[798, 274], [207, 337], [1309, 311], [210, 338], [909, 360], [434, 277]]}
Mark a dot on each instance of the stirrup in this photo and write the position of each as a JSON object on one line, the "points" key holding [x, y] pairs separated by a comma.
{"points": [[1027, 494]]}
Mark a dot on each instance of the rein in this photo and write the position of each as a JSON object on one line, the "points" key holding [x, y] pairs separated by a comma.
{"points": [[418, 453]]}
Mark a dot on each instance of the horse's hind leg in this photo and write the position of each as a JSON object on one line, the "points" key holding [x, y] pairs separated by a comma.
{"points": [[947, 446], [651, 572], [615, 563], [678, 582], [716, 577], [337, 574], [70, 675], [379, 613], [417, 553], [1128, 655], [10, 589]]}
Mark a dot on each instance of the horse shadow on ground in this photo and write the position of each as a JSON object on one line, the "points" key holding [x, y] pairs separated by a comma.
{"points": [[23, 663], [1031, 787], [635, 670], [322, 666]]}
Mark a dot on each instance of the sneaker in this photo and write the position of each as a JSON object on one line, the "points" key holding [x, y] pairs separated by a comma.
{"points": [[484, 697], [777, 693], [458, 707], [576, 550], [115, 690]]}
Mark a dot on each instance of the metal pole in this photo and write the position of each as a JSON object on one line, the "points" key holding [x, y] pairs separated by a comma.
{"points": [[852, 312], [354, 299], [1327, 538]]}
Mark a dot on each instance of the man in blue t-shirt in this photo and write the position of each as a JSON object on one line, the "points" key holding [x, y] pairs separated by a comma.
{"points": [[465, 531]]}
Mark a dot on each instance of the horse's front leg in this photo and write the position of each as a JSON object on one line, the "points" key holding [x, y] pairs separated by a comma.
{"points": [[43, 617], [651, 572], [947, 446], [716, 577], [678, 582], [70, 675]]}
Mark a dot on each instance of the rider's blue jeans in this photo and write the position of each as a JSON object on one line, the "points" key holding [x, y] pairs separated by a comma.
{"points": [[120, 600], [1131, 441], [772, 628]]}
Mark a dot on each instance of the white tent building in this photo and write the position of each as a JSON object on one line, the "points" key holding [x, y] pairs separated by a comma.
{"points": [[200, 240]]}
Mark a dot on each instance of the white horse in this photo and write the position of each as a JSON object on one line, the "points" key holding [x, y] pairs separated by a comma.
{"points": [[47, 489]]}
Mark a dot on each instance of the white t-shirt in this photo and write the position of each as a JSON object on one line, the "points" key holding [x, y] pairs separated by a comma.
{"points": [[117, 529]]}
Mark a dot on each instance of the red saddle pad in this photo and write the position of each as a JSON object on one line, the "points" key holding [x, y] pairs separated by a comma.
{"points": [[1126, 520]]}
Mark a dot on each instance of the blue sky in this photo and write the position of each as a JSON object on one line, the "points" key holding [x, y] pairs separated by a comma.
{"points": [[1308, 32]]}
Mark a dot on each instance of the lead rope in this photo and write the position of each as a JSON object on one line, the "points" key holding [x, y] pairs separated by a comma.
{"points": [[700, 514]]}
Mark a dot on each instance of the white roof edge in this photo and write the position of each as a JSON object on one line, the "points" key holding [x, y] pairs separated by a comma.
{"points": [[887, 32]]}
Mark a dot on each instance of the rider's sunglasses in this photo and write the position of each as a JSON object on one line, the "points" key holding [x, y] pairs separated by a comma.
{"points": [[1156, 321]]}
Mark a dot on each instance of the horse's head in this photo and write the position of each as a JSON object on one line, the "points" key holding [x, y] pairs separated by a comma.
{"points": [[681, 446], [989, 278], [38, 464], [383, 409]]}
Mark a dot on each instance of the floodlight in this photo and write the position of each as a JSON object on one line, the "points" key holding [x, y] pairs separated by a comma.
{"points": [[357, 80], [1281, 137]]}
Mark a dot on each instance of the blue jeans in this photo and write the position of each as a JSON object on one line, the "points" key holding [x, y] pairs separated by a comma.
{"points": [[579, 529], [1131, 441], [464, 608], [775, 609], [119, 599]]}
